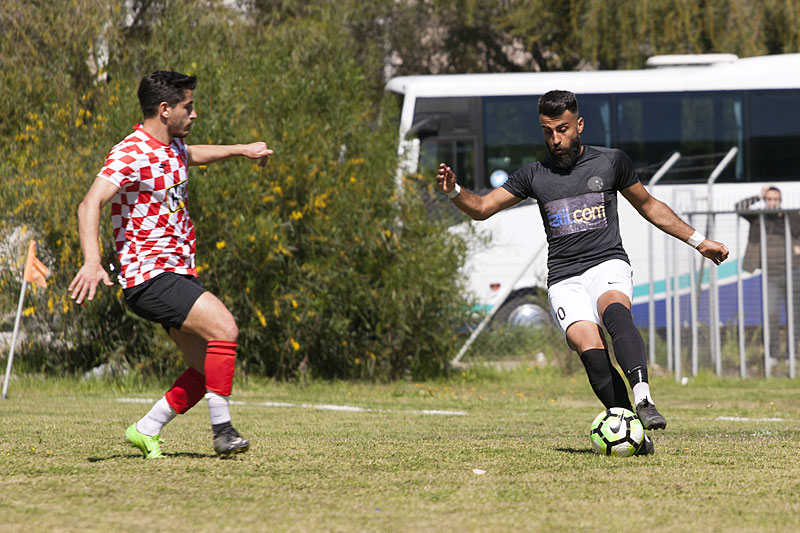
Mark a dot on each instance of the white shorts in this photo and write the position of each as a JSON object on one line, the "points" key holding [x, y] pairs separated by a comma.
{"points": [[575, 298]]}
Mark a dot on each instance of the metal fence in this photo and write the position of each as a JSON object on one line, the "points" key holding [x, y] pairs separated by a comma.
{"points": [[743, 324], [738, 319]]}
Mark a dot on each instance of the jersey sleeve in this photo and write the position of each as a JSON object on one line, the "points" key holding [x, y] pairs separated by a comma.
{"points": [[519, 182], [624, 170], [121, 166]]}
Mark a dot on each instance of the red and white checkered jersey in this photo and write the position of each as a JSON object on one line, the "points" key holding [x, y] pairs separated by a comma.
{"points": [[149, 213]]}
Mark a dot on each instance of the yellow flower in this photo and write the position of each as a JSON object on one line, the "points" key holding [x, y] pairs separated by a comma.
{"points": [[220, 245], [261, 317], [296, 215], [294, 304], [294, 343], [28, 311]]}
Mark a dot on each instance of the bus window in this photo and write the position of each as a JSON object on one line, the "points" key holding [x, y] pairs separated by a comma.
{"points": [[774, 135], [701, 126], [511, 133], [596, 113], [447, 129], [459, 154], [513, 137]]}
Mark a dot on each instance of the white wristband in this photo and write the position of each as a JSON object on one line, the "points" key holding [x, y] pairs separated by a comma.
{"points": [[695, 240], [455, 192]]}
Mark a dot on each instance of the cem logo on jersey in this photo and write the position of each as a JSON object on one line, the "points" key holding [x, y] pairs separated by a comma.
{"points": [[575, 214]]}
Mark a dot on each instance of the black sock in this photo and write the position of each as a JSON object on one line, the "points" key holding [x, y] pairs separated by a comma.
{"points": [[628, 343], [607, 384]]}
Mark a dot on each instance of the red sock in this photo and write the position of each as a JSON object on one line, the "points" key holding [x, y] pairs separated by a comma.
{"points": [[219, 366], [188, 389]]}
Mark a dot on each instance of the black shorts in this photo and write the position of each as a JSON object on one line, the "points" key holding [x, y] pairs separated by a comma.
{"points": [[166, 299]]}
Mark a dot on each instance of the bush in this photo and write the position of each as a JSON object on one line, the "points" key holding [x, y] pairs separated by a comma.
{"points": [[326, 263]]}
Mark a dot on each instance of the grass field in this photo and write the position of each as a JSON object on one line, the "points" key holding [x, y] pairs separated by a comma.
{"points": [[728, 460]]}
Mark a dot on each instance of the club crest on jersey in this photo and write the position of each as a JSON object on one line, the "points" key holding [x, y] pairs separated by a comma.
{"points": [[176, 197], [595, 183], [575, 214]]}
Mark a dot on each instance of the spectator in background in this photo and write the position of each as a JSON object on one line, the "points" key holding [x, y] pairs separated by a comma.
{"points": [[774, 226]]}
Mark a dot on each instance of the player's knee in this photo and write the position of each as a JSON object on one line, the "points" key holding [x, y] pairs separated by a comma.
{"points": [[617, 318], [229, 331], [225, 329]]}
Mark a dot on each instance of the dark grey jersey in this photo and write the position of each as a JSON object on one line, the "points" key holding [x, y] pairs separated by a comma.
{"points": [[578, 207]]}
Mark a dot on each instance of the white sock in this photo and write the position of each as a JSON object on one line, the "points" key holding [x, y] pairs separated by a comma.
{"points": [[153, 422], [218, 408], [641, 391]]}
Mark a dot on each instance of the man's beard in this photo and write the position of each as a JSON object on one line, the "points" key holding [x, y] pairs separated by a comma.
{"points": [[567, 160]]}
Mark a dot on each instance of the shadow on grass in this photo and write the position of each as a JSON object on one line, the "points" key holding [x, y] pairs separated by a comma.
{"points": [[573, 450], [192, 455]]}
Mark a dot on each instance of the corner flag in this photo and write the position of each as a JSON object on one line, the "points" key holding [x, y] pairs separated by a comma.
{"points": [[35, 271]]}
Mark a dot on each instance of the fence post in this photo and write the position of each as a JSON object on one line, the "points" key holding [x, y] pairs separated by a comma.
{"points": [[716, 347], [677, 322], [693, 303], [740, 304], [764, 294], [789, 293], [651, 305]]}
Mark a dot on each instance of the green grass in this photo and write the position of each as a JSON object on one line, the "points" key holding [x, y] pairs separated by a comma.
{"points": [[64, 465]]}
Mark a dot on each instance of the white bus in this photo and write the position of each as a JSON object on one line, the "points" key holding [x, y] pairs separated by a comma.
{"points": [[486, 125]]}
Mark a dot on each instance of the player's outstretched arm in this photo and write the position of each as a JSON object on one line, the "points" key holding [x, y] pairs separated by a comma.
{"points": [[84, 284], [204, 154], [476, 206], [660, 215]]}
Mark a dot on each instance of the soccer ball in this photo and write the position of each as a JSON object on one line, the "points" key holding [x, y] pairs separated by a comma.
{"points": [[616, 431]]}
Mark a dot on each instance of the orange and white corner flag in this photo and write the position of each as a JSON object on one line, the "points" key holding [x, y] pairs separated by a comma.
{"points": [[35, 271]]}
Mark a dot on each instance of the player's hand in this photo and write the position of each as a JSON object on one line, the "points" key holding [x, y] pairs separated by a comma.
{"points": [[445, 178], [716, 251], [257, 150], [86, 281]]}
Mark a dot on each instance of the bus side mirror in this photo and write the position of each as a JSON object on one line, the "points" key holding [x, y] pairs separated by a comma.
{"points": [[427, 127]]}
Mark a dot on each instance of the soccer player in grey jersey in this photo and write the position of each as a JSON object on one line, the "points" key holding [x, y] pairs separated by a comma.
{"points": [[589, 275]]}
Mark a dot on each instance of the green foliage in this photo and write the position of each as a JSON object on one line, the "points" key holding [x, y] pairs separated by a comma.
{"points": [[327, 265], [624, 33]]}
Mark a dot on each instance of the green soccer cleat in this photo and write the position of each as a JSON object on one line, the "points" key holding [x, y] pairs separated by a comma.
{"points": [[150, 446]]}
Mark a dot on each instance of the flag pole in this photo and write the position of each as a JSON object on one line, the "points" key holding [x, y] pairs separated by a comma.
{"points": [[14, 337]]}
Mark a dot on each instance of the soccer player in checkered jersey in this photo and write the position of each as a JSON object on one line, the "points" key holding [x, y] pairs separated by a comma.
{"points": [[145, 178]]}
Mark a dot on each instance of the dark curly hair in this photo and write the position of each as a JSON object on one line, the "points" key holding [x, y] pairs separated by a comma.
{"points": [[163, 86], [554, 103]]}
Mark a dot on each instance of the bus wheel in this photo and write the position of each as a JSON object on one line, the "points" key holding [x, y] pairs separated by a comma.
{"points": [[524, 309]]}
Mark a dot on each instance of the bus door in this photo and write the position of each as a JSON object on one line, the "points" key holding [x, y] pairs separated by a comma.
{"points": [[449, 132]]}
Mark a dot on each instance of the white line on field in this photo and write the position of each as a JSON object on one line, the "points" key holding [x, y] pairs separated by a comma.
{"points": [[322, 407], [746, 419]]}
